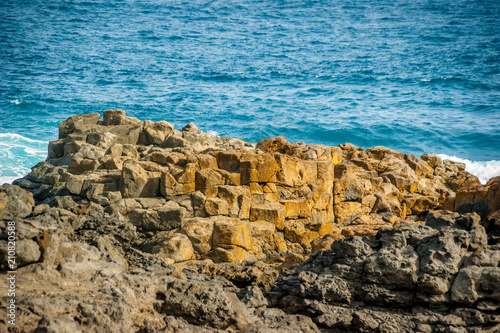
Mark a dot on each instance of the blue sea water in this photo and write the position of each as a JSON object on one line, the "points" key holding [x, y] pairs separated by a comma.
{"points": [[417, 76]]}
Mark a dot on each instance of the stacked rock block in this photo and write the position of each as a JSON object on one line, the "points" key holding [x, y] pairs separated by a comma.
{"points": [[380, 186], [200, 196]]}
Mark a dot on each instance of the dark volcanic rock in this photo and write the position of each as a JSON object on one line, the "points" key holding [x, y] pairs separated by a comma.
{"points": [[387, 282]]}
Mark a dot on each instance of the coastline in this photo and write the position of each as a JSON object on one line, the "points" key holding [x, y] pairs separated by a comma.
{"points": [[183, 230], [30, 153]]}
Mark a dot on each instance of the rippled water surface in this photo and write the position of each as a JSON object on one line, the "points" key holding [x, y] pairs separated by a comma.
{"points": [[417, 76]]}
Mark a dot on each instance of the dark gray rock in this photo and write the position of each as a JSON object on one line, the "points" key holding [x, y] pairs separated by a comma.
{"points": [[15, 202], [27, 251], [380, 285], [203, 303], [77, 123]]}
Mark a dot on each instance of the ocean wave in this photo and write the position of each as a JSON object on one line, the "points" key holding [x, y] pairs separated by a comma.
{"points": [[18, 154], [19, 138], [484, 170], [213, 133], [7, 180]]}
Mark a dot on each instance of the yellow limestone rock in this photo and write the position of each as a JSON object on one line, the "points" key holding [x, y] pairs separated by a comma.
{"points": [[232, 254], [159, 132], [136, 182], [199, 231], [178, 181], [216, 206], [322, 228], [228, 234], [324, 243], [325, 173], [208, 178], [295, 232], [258, 168], [299, 208], [264, 233], [271, 145], [229, 160], [188, 176], [347, 210], [237, 198], [272, 212], [206, 161], [295, 172]]}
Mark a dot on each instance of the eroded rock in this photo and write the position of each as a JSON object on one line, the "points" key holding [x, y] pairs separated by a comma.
{"points": [[136, 226]]}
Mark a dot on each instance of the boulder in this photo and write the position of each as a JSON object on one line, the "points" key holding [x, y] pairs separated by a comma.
{"points": [[237, 198], [258, 168], [15, 202], [349, 210], [228, 234], [100, 138], [158, 132], [216, 206], [203, 303], [297, 208], [78, 123], [168, 217], [136, 182], [177, 247], [117, 117], [272, 145], [208, 178], [200, 232], [295, 172], [476, 283]]}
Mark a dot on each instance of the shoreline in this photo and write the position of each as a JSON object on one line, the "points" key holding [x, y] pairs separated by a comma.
{"points": [[116, 163], [484, 170], [134, 226]]}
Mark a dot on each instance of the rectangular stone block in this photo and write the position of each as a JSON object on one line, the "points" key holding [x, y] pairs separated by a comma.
{"points": [[229, 160], [227, 234], [216, 206], [297, 208], [272, 212]]}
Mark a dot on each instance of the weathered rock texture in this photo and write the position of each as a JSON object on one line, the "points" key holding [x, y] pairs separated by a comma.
{"points": [[230, 200], [133, 226], [407, 279]]}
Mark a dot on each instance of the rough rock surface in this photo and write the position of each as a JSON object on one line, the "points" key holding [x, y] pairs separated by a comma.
{"points": [[407, 279], [134, 226], [277, 196]]}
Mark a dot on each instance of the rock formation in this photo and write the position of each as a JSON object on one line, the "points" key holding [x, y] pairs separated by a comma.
{"points": [[409, 279], [134, 226]]}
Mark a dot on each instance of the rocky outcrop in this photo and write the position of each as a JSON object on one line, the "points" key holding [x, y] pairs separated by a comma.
{"points": [[85, 273], [134, 226], [408, 279], [271, 198]]}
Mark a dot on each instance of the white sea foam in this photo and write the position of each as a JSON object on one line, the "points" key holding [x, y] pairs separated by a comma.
{"points": [[33, 151], [18, 154], [484, 170], [7, 180], [17, 137], [15, 101], [213, 133]]}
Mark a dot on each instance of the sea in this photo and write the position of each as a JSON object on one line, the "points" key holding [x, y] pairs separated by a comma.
{"points": [[418, 76]]}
